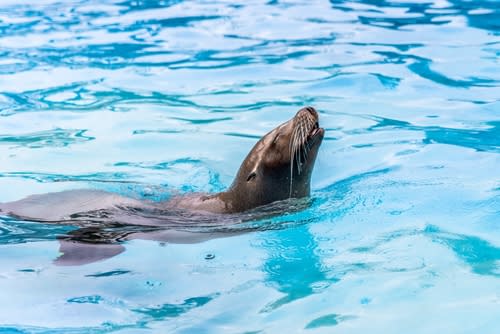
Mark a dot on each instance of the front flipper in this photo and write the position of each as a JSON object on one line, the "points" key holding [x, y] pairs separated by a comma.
{"points": [[90, 244], [75, 253]]}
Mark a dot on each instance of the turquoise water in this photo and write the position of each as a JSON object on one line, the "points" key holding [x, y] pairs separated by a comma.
{"points": [[150, 98]]}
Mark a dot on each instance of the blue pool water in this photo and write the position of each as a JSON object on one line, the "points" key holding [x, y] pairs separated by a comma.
{"points": [[149, 98]]}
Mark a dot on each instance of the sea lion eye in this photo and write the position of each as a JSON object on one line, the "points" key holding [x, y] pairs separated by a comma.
{"points": [[251, 176]]}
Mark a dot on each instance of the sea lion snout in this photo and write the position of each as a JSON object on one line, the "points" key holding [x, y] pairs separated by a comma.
{"points": [[306, 125]]}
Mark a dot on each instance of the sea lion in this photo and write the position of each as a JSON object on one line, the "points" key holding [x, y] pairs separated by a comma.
{"points": [[278, 167]]}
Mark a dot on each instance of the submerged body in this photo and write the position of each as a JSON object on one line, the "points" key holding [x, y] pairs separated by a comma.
{"points": [[278, 167]]}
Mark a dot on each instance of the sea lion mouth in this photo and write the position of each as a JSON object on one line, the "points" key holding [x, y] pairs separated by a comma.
{"points": [[315, 131]]}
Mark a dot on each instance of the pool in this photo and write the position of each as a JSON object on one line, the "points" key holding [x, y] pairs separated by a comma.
{"points": [[153, 98]]}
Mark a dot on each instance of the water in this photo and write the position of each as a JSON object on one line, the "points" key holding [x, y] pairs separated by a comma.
{"points": [[150, 98]]}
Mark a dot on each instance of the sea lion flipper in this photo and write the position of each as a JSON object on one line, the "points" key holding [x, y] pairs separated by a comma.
{"points": [[74, 253]]}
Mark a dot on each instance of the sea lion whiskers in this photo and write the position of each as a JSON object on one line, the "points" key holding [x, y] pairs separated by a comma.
{"points": [[293, 156], [299, 145]]}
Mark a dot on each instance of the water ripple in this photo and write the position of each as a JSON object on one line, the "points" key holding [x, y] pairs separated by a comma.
{"points": [[50, 138], [164, 311], [51, 177], [153, 98]]}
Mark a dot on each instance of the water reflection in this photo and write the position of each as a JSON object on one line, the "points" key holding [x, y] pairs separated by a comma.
{"points": [[486, 138], [483, 15], [293, 266], [480, 255]]}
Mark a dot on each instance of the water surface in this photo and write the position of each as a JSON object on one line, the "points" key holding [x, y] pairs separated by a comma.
{"points": [[151, 98]]}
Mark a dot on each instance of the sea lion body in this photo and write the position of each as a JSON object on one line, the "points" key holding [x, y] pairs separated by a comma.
{"points": [[278, 167]]}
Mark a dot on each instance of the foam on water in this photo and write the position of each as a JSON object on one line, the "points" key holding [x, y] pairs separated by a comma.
{"points": [[150, 98]]}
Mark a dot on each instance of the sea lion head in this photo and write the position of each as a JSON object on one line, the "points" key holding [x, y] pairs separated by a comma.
{"points": [[279, 166]]}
